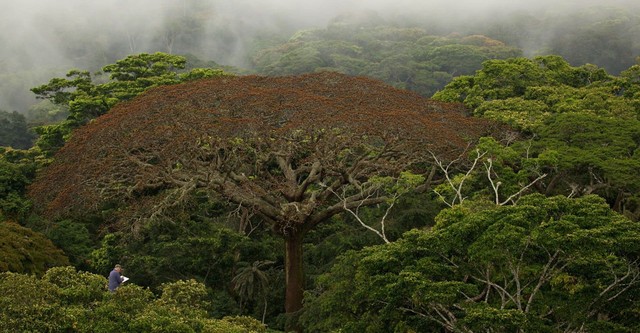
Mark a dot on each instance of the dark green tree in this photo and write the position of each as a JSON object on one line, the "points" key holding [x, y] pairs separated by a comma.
{"points": [[407, 58], [17, 169], [14, 131]]}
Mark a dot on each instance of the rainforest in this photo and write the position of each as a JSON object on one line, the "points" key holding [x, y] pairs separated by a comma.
{"points": [[269, 166]]}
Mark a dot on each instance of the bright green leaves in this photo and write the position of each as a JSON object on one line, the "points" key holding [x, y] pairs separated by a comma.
{"points": [[397, 186], [57, 88], [140, 66], [584, 119], [75, 287], [29, 304], [524, 78], [541, 264], [66, 300], [526, 115]]}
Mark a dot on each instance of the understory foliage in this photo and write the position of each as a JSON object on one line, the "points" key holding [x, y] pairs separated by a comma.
{"points": [[66, 300], [17, 170], [544, 265], [26, 251]]}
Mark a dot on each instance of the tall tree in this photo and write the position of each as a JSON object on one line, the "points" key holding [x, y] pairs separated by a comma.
{"points": [[295, 150]]}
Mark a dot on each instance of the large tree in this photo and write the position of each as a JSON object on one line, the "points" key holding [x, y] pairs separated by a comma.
{"points": [[294, 150], [543, 265]]}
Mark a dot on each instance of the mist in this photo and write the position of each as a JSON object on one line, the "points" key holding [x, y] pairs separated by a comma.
{"points": [[46, 38]]}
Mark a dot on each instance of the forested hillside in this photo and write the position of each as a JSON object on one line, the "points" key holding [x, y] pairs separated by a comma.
{"points": [[378, 173]]}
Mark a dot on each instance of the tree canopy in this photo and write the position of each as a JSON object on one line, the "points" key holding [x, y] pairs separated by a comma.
{"points": [[23, 250], [588, 120], [543, 265], [408, 58], [295, 150], [14, 131]]}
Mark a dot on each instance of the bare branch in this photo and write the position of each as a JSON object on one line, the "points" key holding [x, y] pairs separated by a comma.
{"points": [[496, 185], [356, 215], [456, 188]]}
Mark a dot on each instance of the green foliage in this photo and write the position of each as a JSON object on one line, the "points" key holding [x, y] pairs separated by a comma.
{"points": [[185, 293], [522, 77], [587, 119], [526, 115], [541, 265], [66, 300], [406, 58], [23, 250], [29, 304], [76, 287], [14, 131], [165, 251], [597, 153], [110, 251], [251, 280], [248, 323], [74, 239], [17, 169]]}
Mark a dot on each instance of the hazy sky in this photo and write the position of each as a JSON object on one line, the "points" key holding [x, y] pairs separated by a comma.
{"points": [[35, 37], [30, 28]]}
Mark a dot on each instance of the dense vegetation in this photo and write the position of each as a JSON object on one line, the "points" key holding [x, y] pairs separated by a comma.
{"points": [[509, 202], [66, 300]]}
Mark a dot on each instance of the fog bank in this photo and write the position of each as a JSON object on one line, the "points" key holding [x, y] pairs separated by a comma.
{"points": [[45, 38]]}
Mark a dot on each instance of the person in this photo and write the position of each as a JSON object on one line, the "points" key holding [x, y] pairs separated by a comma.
{"points": [[115, 278]]}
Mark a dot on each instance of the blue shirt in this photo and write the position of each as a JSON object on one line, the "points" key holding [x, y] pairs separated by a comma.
{"points": [[115, 279]]}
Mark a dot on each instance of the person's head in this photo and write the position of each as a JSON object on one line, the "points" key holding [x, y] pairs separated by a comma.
{"points": [[118, 268]]}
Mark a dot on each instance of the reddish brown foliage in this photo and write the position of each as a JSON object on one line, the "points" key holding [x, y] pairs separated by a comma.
{"points": [[145, 145]]}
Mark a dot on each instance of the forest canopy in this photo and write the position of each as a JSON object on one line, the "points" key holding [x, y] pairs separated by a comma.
{"points": [[368, 171]]}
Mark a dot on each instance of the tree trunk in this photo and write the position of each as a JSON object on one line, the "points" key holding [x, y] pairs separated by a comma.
{"points": [[618, 205], [293, 278]]}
